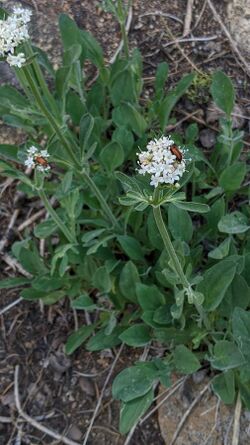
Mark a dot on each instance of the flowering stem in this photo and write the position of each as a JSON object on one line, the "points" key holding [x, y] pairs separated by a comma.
{"points": [[105, 207], [55, 217], [169, 247], [54, 125]]}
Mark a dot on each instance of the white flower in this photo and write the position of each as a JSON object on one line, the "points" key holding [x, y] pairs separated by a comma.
{"points": [[17, 60], [13, 31], [21, 14], [44, 154], [29, 162], [163, 161], [37, 159], [32, 150]]}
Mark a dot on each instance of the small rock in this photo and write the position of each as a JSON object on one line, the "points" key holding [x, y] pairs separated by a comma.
{"points": [[59, 362], [8, 399], [87, 386], [199, 376], [207, 138], [74, 433]]}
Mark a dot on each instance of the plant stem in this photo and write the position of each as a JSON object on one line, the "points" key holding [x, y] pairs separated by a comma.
{"points": [[54, 125], [105, 207], [41, 81], [56, 218], [169, 246], [125, 40]]}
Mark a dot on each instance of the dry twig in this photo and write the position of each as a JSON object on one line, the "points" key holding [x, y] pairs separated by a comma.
{"points": [[236, 428], [227, 33], [188, 17], [11, 224], [15, 265], [172, 390], [101, 396], [7, 308], [34, 422], [187, 413]]}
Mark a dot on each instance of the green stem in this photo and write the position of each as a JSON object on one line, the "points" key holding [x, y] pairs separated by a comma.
{"points": [[125, 40], [56, 218], [169, 246], [105, 207], [54, 125], [41, 81]]}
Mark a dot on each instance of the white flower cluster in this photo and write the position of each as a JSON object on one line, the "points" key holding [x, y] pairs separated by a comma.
{"points": [[161, 161], [37, 159], [13, 31]]}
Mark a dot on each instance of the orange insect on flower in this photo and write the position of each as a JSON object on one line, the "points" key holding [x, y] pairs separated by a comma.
{"points": [[176, 152], [41, 161]]}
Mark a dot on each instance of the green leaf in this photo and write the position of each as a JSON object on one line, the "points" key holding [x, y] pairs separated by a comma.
{"points": [[32, 262], [160, 79], [126, 114], [123, 88], [172, 98], [47, 283], [172, 335], [112, 156], [10, 97], [83, 302], [232, 177], [8, 283], [9, 151], [53, 297], [185, 361], [45, 229], [131, 247], [222, 91], [32, 294], [221, 251], [102, 341], [241, 330], [128, 278], [233, 223], [134, 382], [77, 338], [149, 297], [216, 281], [224, 386], [162, 315], [125, 138], [192, 206], [92, 49], [86, 128], [245, 394], [179, 223], [136, 335], [101, 279], [69, 31], [226, 356], [132, 411]]}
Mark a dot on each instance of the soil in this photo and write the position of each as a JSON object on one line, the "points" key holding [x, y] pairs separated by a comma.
{"points": [[58, 391]]}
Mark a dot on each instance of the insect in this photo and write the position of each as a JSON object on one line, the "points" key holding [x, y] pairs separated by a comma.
{"points": [[41, 161], [176, 152]]}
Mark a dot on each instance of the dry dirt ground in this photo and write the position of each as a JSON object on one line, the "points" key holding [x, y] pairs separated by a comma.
{"points": [[61, 392]]}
